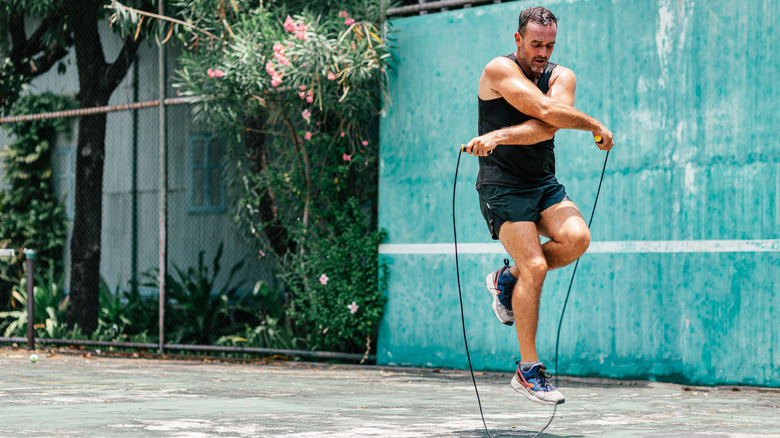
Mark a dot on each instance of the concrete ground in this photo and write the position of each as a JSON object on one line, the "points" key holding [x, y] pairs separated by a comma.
{"points": [[70, 395]]}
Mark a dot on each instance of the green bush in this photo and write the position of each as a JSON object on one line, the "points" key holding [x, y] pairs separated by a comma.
{"points": [[274, 330], [125, 315], [197, 310], [51, 306], [337, 287], [32, 215]]}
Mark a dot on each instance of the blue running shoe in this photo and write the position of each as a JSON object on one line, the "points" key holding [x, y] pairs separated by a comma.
{"points": [[500, 284], [535, 384]]}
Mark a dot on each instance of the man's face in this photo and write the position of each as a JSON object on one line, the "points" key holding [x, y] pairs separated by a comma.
{"points": [[535, 47]]}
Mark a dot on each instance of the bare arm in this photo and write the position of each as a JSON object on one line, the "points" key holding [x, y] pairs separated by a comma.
{"points": [[530, 132], [502, 78], [562, 88], [562, 92]]}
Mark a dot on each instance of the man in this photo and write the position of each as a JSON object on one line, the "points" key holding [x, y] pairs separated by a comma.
{"points": [[523, 100]]}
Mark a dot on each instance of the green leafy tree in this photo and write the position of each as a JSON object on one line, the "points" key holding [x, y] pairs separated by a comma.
{"points": [[65, 26]]}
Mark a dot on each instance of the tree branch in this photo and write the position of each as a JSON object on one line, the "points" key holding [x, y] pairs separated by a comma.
{"points": [[162, 18], [35, 43], [18, 36], [43, 63], [25, 49], [118, 69]]}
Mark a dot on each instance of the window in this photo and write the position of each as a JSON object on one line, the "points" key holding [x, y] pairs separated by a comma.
{"points": [[65, 182], [207, 190]]}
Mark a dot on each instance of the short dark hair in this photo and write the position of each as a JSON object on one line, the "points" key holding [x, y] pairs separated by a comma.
{"points": [[537, 14]]}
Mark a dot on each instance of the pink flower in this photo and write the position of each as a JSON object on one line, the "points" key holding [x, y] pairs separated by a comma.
{"points": [[215, 73], [323, 279], [260, 254], [310, 96], [343, 14], [269, 67], [301, 94], [300, 32], [347, 157], [306, 114], [325, 330], [307, 136], [342, 134], [331, 76], [278, 48], [289, 24], [275, 81], [302, 87], [349, 22], [365, 143], [352, 307], [281, 58]]}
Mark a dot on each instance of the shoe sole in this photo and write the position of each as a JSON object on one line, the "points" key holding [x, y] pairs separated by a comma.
{"points": [[492, 290], [530, 396]]}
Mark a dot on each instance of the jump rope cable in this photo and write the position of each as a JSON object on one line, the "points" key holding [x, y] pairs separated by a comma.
{"points": [[563, 309], [460, 295]]}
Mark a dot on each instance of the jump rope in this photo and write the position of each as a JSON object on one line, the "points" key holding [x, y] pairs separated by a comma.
{"points": [[565, 301]]}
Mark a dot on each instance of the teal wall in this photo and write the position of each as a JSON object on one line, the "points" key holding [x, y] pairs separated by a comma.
{"points": [[681, 281]]}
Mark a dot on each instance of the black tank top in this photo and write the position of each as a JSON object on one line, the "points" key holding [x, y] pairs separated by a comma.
{"points": [[515, 165]]}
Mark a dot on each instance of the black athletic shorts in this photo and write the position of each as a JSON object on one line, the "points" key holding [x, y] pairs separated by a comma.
{"points": [[501, 204]]}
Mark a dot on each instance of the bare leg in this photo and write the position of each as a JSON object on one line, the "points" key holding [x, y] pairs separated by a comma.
{"points": [[569, 235], [521, 240], [570, 238]]}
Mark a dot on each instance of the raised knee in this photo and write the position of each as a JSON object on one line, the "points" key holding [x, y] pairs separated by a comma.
{"points": [[536, 268], [581, 240]]}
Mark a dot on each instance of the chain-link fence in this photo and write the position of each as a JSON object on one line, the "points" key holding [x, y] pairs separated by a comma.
{"points": [[82, 199], [131, 228]]}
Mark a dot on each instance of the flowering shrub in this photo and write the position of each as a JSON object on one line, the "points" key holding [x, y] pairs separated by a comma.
{"points": [[341, 307], [298, 92]]}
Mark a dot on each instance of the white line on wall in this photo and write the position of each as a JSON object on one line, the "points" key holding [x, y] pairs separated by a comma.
{"points": [[615, 247]]}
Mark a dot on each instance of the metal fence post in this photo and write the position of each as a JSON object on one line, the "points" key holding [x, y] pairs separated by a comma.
{"points": [[163, 156], [30, 300]]}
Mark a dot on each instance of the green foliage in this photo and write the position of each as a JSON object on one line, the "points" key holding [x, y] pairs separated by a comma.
{"points": [[51, 305], [32, 215], [125, 315], [199, 311], [310, 78], [274, 329], [20, 60], [337, 288]]}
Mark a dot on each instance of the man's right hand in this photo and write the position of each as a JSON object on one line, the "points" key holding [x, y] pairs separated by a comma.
{"points": [[480, 146], [606, 138]]}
